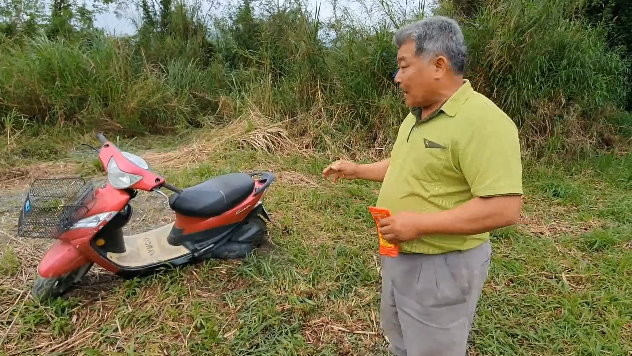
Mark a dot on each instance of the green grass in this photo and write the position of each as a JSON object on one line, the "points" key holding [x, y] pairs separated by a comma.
{"points": [[9, 262], [560, 284]]}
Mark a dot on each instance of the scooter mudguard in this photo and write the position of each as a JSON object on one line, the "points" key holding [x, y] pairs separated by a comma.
{"points": [[60, 259]]}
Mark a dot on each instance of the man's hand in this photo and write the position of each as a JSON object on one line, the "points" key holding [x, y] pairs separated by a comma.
{"points": [[401, 227], [473, 217], [341, 169]]}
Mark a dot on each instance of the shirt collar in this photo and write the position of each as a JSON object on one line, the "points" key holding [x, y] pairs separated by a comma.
{"points": [[452, 105]]}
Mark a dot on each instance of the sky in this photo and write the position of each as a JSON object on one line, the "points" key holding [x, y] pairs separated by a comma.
{"points": [[119, 20]]}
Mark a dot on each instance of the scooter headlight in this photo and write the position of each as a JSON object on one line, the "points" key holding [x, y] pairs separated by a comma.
{"points": [[120, 179], [94, 220]]}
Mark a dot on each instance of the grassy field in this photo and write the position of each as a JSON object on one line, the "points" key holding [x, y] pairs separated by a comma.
{"points": [[560, 282]]}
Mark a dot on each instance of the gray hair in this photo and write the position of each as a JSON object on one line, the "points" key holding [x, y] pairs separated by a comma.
{"points": [[436, 36]]}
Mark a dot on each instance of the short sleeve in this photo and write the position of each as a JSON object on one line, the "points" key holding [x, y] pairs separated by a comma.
{"points": [[490, 159]]}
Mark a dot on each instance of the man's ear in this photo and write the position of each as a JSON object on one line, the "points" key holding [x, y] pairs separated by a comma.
{"points": [[441, 66]]}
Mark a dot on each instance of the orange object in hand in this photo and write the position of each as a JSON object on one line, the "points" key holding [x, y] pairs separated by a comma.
{"points": [[386, 248]]}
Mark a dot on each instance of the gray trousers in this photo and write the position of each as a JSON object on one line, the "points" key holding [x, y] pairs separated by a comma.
{"points": [[429, 301]]}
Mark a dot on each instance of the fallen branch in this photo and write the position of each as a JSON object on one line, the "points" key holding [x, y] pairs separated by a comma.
{"points": [[340, 328]]}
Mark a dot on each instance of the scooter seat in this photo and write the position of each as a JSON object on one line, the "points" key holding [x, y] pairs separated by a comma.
{"points": [[213, 197]]}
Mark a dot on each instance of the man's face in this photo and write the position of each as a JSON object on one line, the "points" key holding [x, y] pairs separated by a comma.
{"points": [[416, 76]]}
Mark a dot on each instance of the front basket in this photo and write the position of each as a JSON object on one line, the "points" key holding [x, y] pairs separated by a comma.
{"points": [[53, 205]]}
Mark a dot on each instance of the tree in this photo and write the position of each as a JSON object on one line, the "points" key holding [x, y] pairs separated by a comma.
{"points": [[20, 16], [60, 17]]}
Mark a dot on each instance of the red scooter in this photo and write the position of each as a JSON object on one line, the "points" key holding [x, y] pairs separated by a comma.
{"points": [[222, 218]]}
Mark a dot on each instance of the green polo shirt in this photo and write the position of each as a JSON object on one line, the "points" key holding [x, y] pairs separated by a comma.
{"points": [[468, 148]]}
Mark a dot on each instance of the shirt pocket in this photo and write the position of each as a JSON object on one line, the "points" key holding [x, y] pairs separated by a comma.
{"points": [[431, 165]]}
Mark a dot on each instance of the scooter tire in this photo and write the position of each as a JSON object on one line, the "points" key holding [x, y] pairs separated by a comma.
{"points": [[48, 288], [263, 228]]}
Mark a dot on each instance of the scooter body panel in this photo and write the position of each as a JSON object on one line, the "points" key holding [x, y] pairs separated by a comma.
{"points": [[149, 181], [190, 225], [225, 237], [61, 259], [106, 199]]}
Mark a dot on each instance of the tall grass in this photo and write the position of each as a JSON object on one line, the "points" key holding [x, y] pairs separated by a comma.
{"points": [[543, 65], [330, 82], [93, 83]]}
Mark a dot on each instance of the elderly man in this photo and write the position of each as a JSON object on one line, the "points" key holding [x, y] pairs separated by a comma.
{"points": [[454, 174]]}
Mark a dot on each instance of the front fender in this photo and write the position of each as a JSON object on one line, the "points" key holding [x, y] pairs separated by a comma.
{"points": [[60, 259]]}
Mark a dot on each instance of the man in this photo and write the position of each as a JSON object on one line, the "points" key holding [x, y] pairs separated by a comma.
{"points": [[454, 175]]}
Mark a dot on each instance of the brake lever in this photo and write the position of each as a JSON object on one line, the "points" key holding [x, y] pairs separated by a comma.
{"points": [[92, 147], [161, 193]]}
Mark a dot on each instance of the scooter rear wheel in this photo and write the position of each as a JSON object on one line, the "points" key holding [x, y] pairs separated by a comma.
{"points": [[242, 245], [48, 288]]}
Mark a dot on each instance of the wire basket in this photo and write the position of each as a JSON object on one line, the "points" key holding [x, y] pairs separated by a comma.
{"points": [[53, 205]]}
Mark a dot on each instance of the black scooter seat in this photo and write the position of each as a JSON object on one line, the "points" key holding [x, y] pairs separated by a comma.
{"points": [[213, 197]]}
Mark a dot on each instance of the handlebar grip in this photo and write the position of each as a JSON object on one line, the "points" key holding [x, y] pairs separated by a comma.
{"points": [[101, 138], [172, 188]]}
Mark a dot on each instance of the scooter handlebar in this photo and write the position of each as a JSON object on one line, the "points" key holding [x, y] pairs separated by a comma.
{"points": [[102, 138], [171, 187]]}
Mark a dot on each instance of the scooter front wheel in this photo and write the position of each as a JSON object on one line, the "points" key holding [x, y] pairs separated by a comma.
{"points": [[47, 288]]}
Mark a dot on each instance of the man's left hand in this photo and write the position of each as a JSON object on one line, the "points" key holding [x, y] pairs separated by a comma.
{"points": [[401, 227]]}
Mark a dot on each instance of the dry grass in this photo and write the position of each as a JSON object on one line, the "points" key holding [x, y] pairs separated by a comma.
{"points": [[546, 218], [292, 178], [250, 130], [21, 177]]}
